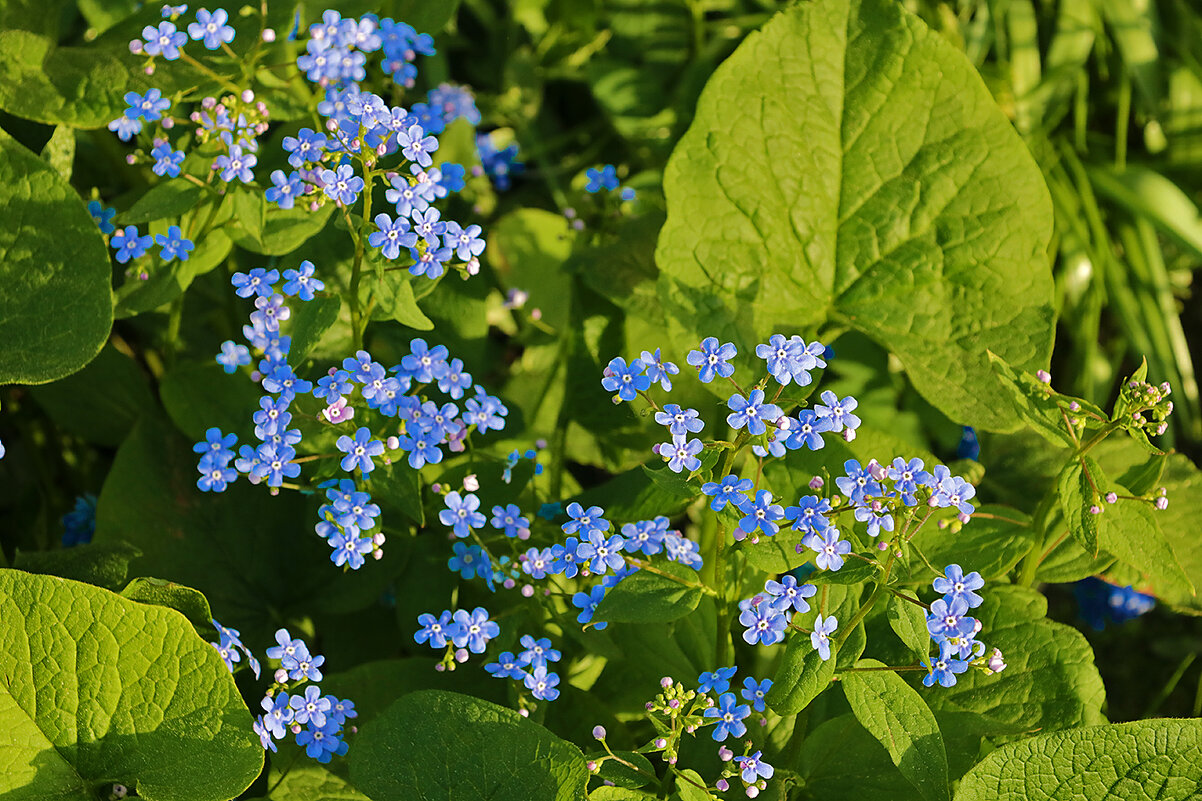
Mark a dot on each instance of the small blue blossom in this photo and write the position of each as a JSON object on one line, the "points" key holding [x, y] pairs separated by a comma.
{"points": [[948, 619], [659, 370], [350, 549], [787, 594], [859, 483], [761, 515], [437, 630], [453, 379], [416, 146], [285, 190], [129, 245], [907, 477], [102, 216], [423, 362], [392, 236], [754, 767], [173, 244], [626, 380], [681, 455], [808, 431], [587, 603], [680, 422], [80, 523], [149, 107], [288, 650], [755, 692], [830, 548], [731, 490], [820, 636], [602, 553], [342, 187], [507, 666], [564, 555], [125, 128], [809, 514], [538, 652], [751, 412], [510, 520], [712, 360], [473, 629], [536, 563], [765, 623], [730, 715], [167, 161], [604, 178], [217, 445], [839, 412], [212, 28], [306, 146], [259, 281], [277, 715], [321, 742], [311, 706], [542, 684], [237, 164], [359, 450], [945, 668], [461, 515], [466, 242], [301, 282], [717, 681], [467, 560]]}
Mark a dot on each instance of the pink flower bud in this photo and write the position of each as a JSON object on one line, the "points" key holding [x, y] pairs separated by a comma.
{"points": [[1095, 510], [1111, 497], [725, 754], [269, 35], [168, 123], [1161, 503], [1044, 376], [461, 655], [753, 791], [599, 732], [524, 713], [471, 482], [281, 676], [135, 46], [527, 590], [665, 682], [592, 766], [722, 785], [509, 584], [248, 96]]}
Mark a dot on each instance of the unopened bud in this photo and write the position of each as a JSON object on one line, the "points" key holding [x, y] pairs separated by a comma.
{"points": [[281, 676], [168, 123], [599, 732], [269, 35], [1111, 497], [1161, 503], [461, 655], [1095, 510], [1044, 376], [996, 665], [592, 766], [471, 482], [725, 754], [660, 742], [135, 46], [722, 785]]}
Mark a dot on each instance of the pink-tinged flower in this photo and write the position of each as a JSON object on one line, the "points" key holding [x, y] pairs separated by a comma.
{"points": [[338, 412]]}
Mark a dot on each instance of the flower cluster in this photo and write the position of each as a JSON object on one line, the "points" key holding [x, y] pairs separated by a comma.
{"points": [[499, 165], [80, 523], [530, 667], [460, 632], [444, 104], [606, 177], [954, 632], [1102, 601], [336, 52]]}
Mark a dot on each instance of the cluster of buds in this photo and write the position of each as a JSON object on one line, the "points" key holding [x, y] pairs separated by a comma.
{"points": [[674, 712], [750, 769], [1143, 406]]}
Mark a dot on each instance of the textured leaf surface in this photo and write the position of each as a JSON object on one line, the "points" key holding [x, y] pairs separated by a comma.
{"points": [[989, 545], [648, 597], [1077, 495], [848, 165], [802, 675], [137, 699], [894, 713], [441, 745], [1140, 761], [116, 390], [909, 623], [842, 762], [56, 307]]}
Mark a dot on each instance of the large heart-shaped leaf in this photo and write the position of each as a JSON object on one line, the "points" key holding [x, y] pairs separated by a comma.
{"points": [[96, 689], [847, 167]]}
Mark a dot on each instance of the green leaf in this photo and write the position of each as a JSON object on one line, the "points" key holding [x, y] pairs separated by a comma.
{"points": [[1050, 681], [873, 184], [1177, 522], [305, 780], [56, 307], [1129, 531], [397, 487], [612, 770], [85, 703], [426, 16], [441, 745], [168, 199], [802, 675], [191, 603], [393, 294], [1145, 760], [200, 395], [310, 320], [273, 231], [992, 546], [840, 761], [687, 788], [1077, 495], [894, 713], [103, 564], [1032, 401], [59, 151], [909, 623], [117, 392], [78, 86], [168, 281], [647, 597], [528, 248]]}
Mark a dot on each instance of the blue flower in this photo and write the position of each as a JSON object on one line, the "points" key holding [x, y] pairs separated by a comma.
{"points": [[453, 379], [272, 417], [820, 636], [423, 362], [507, 666], [713, 360], [102, 216], [473, 629], [342, 187], [125, 128], [680, 422], [332, 386], [259, 281], [730, 717], [945, 668], [466, 242], [287, 188], [830, 548], [751, 412], [876, 520], [587, 603], [289, 651], [165, 40], [564, 555], [625, 380], [301, 282], [585, 520], [236, 165], [646, 536], [391, 236], [311, 706], [437, 630], [718, 681], [416, 146], [349, 549], [604, 178], [787, 594], [542, 684], [732, 490], [755, 693], [217, 445], [659, 370], [536, 563], [808, 431], [948, 619], [765, 623], [761, 515], [467, 560], [906, 477], [341, 710], [359, 450], [149, 107], [80, 523], [278, 714], [809, 514], [969, 446], [215, 477], [167, 161], [859, 483], [461, 514], [839, 412], [173, 244], [212, 28], [129, 245], [229, 654], [602, 553], [306, 146], [538, 652], [955, 491], [422, 449], [681, 455], [321, 742], [510, 520], [754, 767]]}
